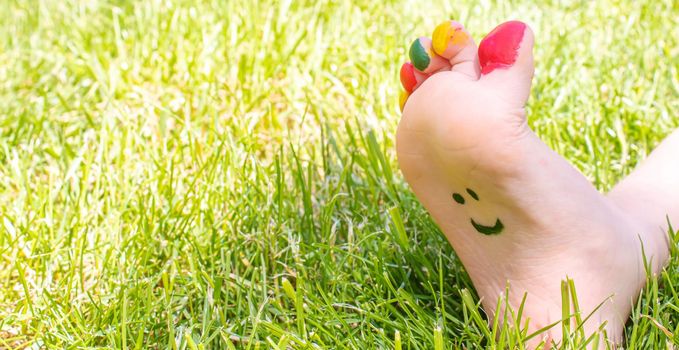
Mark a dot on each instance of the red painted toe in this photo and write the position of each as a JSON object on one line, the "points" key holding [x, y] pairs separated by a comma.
{"points": [[408, 79], [499, 49]]}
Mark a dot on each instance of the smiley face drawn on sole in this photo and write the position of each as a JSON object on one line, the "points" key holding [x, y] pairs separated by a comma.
{"points": [[480, 228]]}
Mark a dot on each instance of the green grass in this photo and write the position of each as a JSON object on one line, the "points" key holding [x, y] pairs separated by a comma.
{"points": [[220, 174]]}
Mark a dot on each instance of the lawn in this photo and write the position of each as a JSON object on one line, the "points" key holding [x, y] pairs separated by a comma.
{"points": [[222, 174]]}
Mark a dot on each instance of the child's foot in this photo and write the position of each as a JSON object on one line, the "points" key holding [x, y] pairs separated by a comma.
{"points": [[514, 210]]}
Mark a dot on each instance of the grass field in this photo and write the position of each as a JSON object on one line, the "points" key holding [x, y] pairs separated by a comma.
{"points": [[221, 174]]}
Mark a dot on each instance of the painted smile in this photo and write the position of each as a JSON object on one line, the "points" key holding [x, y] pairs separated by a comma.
{"points": [[486, 230], [489, 230]]}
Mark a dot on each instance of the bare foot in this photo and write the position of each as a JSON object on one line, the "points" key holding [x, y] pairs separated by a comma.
{"points": [[514, 210]]}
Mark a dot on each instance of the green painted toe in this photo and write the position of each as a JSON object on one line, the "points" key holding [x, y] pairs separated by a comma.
{"points": [[419, 56]]}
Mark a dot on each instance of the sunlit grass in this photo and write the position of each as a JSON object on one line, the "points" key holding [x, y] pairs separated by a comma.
{"points": [[217, 174]]}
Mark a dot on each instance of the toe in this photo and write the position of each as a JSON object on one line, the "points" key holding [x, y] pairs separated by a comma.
{"points": [[453, 42], [402, 99], [506, 59], [411, 78], [500, 48], [424, 58]]}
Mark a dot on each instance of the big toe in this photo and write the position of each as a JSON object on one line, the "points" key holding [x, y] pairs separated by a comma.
{"points": [[506, 59]]}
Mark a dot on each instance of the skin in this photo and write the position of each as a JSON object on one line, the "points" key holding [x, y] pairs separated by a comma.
{"points": [[484, 229], [554, 224]]}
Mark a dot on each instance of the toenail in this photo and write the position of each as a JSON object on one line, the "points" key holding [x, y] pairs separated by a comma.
{"points": [[448, 37], [499, 49], [402, 99], [408, 79]]}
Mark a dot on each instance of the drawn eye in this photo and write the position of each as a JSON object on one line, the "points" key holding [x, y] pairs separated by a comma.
{"points": [[458, 198], [473, 194]]}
